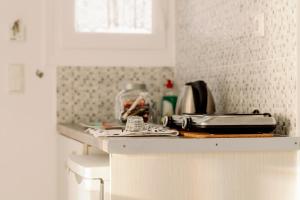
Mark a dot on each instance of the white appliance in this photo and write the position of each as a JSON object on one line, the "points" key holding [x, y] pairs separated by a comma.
{"points": [[89, 177]]}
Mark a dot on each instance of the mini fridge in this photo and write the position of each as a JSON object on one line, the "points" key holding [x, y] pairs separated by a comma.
{"points": [[88, 177]]}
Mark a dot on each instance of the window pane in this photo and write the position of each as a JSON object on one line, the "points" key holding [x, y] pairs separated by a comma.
{"points": [[113, 16]]}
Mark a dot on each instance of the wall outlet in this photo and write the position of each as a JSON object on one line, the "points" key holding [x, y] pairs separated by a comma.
{"points": [[259, 25]]}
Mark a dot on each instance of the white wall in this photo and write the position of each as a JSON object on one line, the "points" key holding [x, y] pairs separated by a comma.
{"points": [[217, 42], [27, 133]]}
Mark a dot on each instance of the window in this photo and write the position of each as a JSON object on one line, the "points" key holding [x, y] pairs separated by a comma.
{"points": [[114, 24], [113, 32], [113, 16]]}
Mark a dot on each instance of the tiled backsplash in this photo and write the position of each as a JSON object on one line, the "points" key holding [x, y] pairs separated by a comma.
{"points": [[87, 94], [217, 42]]}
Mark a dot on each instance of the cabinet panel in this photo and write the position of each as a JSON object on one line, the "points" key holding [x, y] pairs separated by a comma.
{"points": [[66, 147], [213, 176]]}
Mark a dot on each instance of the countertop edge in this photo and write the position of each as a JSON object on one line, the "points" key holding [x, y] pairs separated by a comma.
{"points": [[154, 145]]}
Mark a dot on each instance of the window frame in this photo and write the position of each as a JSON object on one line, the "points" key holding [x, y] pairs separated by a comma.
{"points": [[122, 41]]}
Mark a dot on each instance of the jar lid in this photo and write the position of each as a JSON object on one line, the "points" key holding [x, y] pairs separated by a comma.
{"points": [[135, 86]]}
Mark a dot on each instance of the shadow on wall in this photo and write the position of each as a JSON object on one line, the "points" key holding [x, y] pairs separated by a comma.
{"points": [[283, 124]]}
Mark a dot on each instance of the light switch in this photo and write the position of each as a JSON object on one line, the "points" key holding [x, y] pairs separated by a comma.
{"points": [[16, 78]]}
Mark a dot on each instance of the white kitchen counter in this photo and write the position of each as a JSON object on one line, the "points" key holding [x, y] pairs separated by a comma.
{"points": [[160, 168], [149, 145]]}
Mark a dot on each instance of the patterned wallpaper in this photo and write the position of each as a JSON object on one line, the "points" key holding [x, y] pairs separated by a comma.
{"points": [[216, 42], [87, 94]]}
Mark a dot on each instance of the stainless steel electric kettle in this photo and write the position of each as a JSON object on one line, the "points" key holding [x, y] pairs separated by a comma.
{"points": [[195, 98]]}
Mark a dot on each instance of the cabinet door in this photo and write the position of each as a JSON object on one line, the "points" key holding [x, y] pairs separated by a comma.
{"points": [[66, 147]]}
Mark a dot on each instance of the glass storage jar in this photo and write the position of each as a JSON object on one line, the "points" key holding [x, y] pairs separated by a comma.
{"points": [[133, 100]]}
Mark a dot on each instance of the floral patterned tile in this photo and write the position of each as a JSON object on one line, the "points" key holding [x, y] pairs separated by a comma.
{"points": [[87, 94]]}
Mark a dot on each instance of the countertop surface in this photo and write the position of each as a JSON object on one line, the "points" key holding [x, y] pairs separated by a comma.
{"points": [[148, 145]]}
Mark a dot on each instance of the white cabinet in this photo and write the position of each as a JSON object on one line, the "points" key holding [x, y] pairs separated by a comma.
{"points": [[66, 147]]}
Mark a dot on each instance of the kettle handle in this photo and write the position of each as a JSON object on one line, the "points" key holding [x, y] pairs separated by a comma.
{"points": [[200, 96]]}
